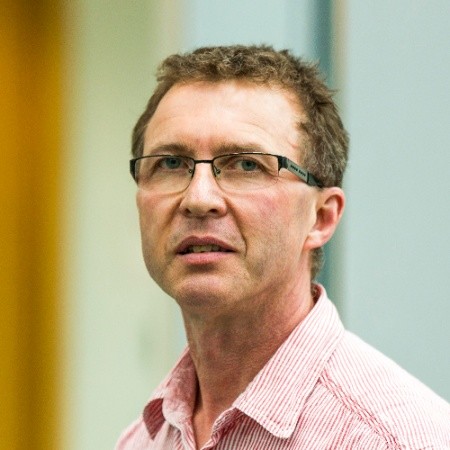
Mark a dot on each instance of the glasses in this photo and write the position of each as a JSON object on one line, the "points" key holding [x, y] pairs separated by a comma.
{"points": [[235, 171]]}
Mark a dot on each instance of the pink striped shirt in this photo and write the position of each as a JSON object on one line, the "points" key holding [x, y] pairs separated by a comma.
{"points": [[323, 389]]}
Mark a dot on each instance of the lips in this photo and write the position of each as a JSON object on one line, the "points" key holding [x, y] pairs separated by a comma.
{"points": [[203, 249], [202, 245]]}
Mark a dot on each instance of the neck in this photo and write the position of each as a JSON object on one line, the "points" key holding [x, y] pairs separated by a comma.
{"points": [[229, 351]]}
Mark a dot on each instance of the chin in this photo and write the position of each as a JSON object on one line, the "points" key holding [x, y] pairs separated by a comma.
{"points": [[199, 296]]}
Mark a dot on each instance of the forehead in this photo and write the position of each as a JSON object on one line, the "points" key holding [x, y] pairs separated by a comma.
{"points": [[204, 114]]}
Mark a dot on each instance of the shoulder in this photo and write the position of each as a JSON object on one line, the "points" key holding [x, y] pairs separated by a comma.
{"points": [[378, 393]]}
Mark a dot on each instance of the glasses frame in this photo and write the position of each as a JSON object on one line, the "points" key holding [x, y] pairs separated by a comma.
{"points": [[283, 163]]}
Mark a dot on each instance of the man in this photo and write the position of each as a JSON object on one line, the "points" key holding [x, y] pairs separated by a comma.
{"points": [[239, 158]]}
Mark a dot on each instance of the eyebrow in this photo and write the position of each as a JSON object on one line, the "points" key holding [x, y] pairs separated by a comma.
{"points": [[170, 148], [179, 148], [227, 147]]}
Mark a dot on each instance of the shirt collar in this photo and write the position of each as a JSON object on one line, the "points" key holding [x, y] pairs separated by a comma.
{"points": [[174, 399], [276, 396]]}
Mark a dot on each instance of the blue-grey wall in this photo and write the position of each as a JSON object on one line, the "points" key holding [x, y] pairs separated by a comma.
{"points": [[397, 239]]}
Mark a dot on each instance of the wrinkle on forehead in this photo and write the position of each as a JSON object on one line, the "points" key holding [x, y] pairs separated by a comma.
{"points": [[223, 100]]}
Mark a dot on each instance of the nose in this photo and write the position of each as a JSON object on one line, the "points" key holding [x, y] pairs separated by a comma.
{"points": [[203, 197]]}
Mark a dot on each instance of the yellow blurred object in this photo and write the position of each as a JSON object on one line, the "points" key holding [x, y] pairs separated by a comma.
{"points": [[30, 193]]}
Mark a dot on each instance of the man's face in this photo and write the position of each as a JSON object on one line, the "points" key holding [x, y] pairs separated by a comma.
{"points": [[261, 234]]}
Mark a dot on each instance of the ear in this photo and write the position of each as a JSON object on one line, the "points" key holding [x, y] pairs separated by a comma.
{"points": [[329, 209]]}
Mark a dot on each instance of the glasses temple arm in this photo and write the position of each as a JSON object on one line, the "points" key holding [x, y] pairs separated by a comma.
{"points": [[303, 174]]}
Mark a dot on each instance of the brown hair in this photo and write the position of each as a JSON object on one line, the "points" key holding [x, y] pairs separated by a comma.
{"points": [[326, 149]]}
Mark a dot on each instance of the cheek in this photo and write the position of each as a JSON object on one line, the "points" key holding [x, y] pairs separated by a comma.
{"points": [[275, 225], [277, 214], [153, 227], [151, 216], [145, 207], [266, 226], [256, 215]]}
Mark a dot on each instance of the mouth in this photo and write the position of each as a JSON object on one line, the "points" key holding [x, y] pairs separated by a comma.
{"points": [[203, 249], [195, 244]]}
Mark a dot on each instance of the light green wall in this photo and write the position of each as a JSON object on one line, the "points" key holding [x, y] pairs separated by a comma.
{"points": [[122, 337]]}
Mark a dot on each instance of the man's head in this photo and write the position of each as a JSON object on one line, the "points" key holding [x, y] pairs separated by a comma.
{"points": [[324, 141]]}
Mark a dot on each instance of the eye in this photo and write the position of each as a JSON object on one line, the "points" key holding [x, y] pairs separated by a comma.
{"points": [[171, 163], [241, 163], [247, 165]]}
